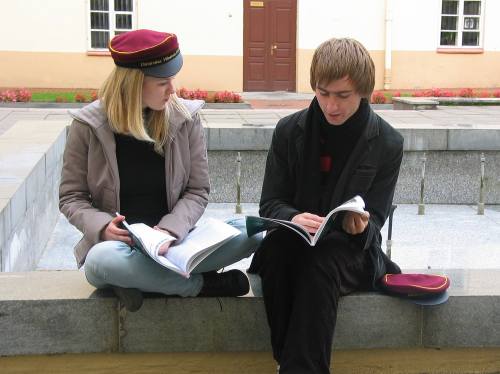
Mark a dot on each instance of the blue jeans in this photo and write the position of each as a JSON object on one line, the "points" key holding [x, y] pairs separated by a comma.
{"points": [[114, 263]]}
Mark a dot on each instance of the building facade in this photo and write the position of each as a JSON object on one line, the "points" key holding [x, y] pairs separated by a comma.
{"points": [[255, 45]]}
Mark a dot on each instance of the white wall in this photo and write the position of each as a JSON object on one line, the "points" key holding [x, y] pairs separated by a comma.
{"points": [[416, 25], [492, 25], [49, 26], [203, 27], [319, 20], [216, 27]]}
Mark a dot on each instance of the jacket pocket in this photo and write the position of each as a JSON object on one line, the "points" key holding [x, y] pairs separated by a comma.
{"points": [[361, 181], [108, 202]]}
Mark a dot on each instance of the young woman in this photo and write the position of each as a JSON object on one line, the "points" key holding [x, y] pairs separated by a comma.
{"points": [[140, 151]]}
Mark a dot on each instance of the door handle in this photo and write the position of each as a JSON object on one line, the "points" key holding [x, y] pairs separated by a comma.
{"points": [[273, 47]]}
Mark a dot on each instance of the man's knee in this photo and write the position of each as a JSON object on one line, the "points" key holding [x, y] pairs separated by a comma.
{"points": [[245, 244]]}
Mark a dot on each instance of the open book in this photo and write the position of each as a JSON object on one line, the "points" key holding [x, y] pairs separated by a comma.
{"points": [[182, 257], [258, 224]]}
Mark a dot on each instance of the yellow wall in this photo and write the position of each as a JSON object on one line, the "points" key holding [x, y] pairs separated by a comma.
{"points": [[304, 58], [78, 70], [443, 70], [52, 69], [416, 70], [410, 70], [213, 73]]}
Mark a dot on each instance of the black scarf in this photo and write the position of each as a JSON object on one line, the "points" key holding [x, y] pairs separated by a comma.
{"points": [[311, 197]]}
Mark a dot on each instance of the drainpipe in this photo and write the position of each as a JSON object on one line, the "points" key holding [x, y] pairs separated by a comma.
{"points": [[388, 45]]}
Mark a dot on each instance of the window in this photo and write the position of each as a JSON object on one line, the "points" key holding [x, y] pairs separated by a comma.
{"points": [[461, 23], [109, 18]]}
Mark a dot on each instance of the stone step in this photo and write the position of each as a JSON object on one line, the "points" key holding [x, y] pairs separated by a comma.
{"points": [[50, 312]]}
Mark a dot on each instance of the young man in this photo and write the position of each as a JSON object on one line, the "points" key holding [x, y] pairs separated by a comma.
{"points": [[319, 158]]}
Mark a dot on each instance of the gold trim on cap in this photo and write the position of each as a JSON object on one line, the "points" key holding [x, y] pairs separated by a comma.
{"points": [[140, 50]]}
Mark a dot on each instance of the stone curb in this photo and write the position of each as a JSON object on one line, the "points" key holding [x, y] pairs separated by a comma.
{"points": [[43, 317]]}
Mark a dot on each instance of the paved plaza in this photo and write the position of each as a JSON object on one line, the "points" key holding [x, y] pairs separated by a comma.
{"points": [[446, 237]]}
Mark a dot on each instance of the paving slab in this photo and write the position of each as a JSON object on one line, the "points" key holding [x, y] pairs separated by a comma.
{"points": [[446, 237]]}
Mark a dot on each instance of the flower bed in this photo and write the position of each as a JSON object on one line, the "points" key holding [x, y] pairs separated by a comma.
{"points": [[87, 96], [385, 97]]}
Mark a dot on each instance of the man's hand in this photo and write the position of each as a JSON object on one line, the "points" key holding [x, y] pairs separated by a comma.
{"points": [[310, 221], [355, 223], [164, 248], [114, 232]]}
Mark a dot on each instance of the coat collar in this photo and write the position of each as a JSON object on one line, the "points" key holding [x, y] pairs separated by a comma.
{"points": [[95, 116], [361, 149], [371, 130]]}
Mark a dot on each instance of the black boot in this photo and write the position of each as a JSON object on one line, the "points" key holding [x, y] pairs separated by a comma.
{"points": [[231, 283], [130, 298]]}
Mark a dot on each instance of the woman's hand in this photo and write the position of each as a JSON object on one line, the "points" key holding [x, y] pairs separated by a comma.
{"points": [[310, 221], [114, 232], [355, 223], [164, 248]]}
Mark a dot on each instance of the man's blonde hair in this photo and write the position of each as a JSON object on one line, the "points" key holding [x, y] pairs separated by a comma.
{"points": [[121, 95], [337, 58]]}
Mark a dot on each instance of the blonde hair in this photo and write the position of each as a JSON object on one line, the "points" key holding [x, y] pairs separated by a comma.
{"points": [[336, 58], [121, 96]]}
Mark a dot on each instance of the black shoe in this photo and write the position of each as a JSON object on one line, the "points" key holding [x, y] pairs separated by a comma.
{"points": [[130, 298], [231, 283]]}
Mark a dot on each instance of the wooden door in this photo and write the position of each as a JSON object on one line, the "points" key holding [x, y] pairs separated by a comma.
{"points": [[269, 32]]}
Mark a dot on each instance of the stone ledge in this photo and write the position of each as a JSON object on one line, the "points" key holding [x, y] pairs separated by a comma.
{"points": [[59, 312], [431, 103], [30, 161], [414, 103]]}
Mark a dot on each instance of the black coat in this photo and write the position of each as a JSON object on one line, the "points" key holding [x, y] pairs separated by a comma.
{"points": [[371, 171]]}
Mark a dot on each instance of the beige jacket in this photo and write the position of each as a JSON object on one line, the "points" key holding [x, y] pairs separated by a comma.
{"points": [[89, 193]]}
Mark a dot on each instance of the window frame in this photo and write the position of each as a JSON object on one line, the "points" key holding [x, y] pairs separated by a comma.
{"points": [[460, 29], [112, 24]]}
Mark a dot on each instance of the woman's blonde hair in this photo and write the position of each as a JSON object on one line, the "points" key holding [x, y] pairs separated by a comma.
{"points": [[336, 58], [121, 96]]}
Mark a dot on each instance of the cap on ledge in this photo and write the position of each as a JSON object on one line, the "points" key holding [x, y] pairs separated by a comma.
{"points": [[157, 54]]}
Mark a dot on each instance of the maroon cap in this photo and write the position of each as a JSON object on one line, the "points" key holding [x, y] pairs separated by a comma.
{"points": [[421, 289], [416, 284], [156, 53]]}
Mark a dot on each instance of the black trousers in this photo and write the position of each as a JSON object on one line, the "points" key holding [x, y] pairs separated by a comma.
{"points": [[301, 287]]}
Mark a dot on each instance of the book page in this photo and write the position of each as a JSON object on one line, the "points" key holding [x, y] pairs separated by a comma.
{"points": [[150, 239], [199, 243], [162, 260]]}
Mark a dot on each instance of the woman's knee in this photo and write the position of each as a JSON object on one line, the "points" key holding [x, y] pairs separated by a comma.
{"points": [[106, 256]]}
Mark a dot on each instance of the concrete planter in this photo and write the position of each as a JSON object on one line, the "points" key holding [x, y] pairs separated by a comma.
{"points": [[227, 106]]}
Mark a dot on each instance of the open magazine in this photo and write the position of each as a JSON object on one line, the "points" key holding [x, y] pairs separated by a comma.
{"points": [[258, 224], [182, 257]]}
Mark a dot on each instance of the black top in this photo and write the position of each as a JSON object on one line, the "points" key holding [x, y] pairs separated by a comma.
{"points": [[142, 181], [337, 143]]}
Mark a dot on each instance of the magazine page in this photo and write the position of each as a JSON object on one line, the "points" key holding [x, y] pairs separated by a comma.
{"points": [[259, 224], [356, 204]]}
